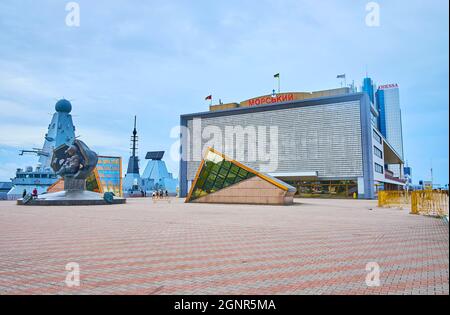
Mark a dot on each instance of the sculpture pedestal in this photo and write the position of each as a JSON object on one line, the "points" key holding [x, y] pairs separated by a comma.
{"points": [[74, 194], [71, 183]]}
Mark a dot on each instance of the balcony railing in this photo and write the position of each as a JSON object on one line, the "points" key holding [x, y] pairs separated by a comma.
{"points": [[390, 176]]}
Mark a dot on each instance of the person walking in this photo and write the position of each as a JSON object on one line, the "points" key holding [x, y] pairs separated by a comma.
{"points": [[24, 193]]}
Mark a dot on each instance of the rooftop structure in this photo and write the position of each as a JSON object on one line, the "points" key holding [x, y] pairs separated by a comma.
{"points": [[280, 98], [156, 175]]}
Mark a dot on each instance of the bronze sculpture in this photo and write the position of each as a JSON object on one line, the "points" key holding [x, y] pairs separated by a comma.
{"points": [[73, 161], [71, 164], [76, 161]]}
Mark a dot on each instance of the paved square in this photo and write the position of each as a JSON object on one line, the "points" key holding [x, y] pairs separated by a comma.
{"points": [[312, 247]]}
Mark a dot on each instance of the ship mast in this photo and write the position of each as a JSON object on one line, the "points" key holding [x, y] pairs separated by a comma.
{"points": [[133, 164], [134, 139]]}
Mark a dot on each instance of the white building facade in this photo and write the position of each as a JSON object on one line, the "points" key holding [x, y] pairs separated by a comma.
{"points": [[325, 147]]}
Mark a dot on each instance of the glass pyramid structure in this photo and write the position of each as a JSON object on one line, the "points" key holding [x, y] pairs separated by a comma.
{"points": [[217, 172]]}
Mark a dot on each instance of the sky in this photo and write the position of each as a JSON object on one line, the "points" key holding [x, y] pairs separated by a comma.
{"points": [[159, 59]]}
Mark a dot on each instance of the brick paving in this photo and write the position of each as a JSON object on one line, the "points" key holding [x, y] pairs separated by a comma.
{"points": [[312, 247]]}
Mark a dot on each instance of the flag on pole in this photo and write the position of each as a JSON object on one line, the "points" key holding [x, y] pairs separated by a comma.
{"points": [[209, 97], [277, 76], [341, 76]]}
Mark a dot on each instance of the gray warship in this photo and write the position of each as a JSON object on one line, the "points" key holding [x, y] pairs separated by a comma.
{"points": [[61, 131]]}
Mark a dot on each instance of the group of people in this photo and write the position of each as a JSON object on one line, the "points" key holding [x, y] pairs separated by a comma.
{"points": [[160, 194], [34, 193]]}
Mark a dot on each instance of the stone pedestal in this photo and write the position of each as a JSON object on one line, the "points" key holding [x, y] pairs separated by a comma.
{"points": [[74, 194], [71, 184]]}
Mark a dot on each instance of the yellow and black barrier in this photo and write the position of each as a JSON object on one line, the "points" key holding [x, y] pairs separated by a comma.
{"points": [[391, 199], [426, 202], [429, 202]]}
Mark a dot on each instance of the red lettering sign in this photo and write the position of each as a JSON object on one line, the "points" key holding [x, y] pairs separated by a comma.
{"points": [[271, 99]]}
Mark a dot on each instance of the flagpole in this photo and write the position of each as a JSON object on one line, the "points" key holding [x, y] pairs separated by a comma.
{"points": [[210, 99], [343, 78], [277, 76], [279, 84]]}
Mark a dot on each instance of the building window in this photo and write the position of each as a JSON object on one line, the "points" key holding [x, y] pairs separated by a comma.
{"points": [[379, 168], [374, 120], [325, 188], [377, 137], [378, 152]]}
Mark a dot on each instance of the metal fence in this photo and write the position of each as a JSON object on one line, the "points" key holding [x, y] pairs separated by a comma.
{"points": [[430, 202], [397, 199], [427, 202]]}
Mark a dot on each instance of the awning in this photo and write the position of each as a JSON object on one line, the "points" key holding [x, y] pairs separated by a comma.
{"points": [[390, 155], [296, 175]]}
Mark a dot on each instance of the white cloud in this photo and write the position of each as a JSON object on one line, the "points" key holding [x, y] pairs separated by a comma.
{"points": [[21, 135], [20, 112], [17, 80]]}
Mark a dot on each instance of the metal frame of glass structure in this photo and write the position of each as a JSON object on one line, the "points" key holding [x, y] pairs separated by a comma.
{"points": [[217, 172]]}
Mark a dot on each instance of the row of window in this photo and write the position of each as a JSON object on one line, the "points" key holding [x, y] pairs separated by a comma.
{"points": [[378, 152], [379, 168], [377, 137], [37, 175], [374, 120]]}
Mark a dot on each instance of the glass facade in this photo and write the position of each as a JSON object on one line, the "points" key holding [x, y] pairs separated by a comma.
{"points": [[374, 120], [390, 119], [325, 189], [368, 88], [217, 173]]}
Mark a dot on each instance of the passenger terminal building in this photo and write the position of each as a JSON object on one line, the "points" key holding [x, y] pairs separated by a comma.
{"points": [[325, 144]]}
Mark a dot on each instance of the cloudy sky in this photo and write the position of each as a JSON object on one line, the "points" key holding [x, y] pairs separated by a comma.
{"points": [[159, 59]]}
